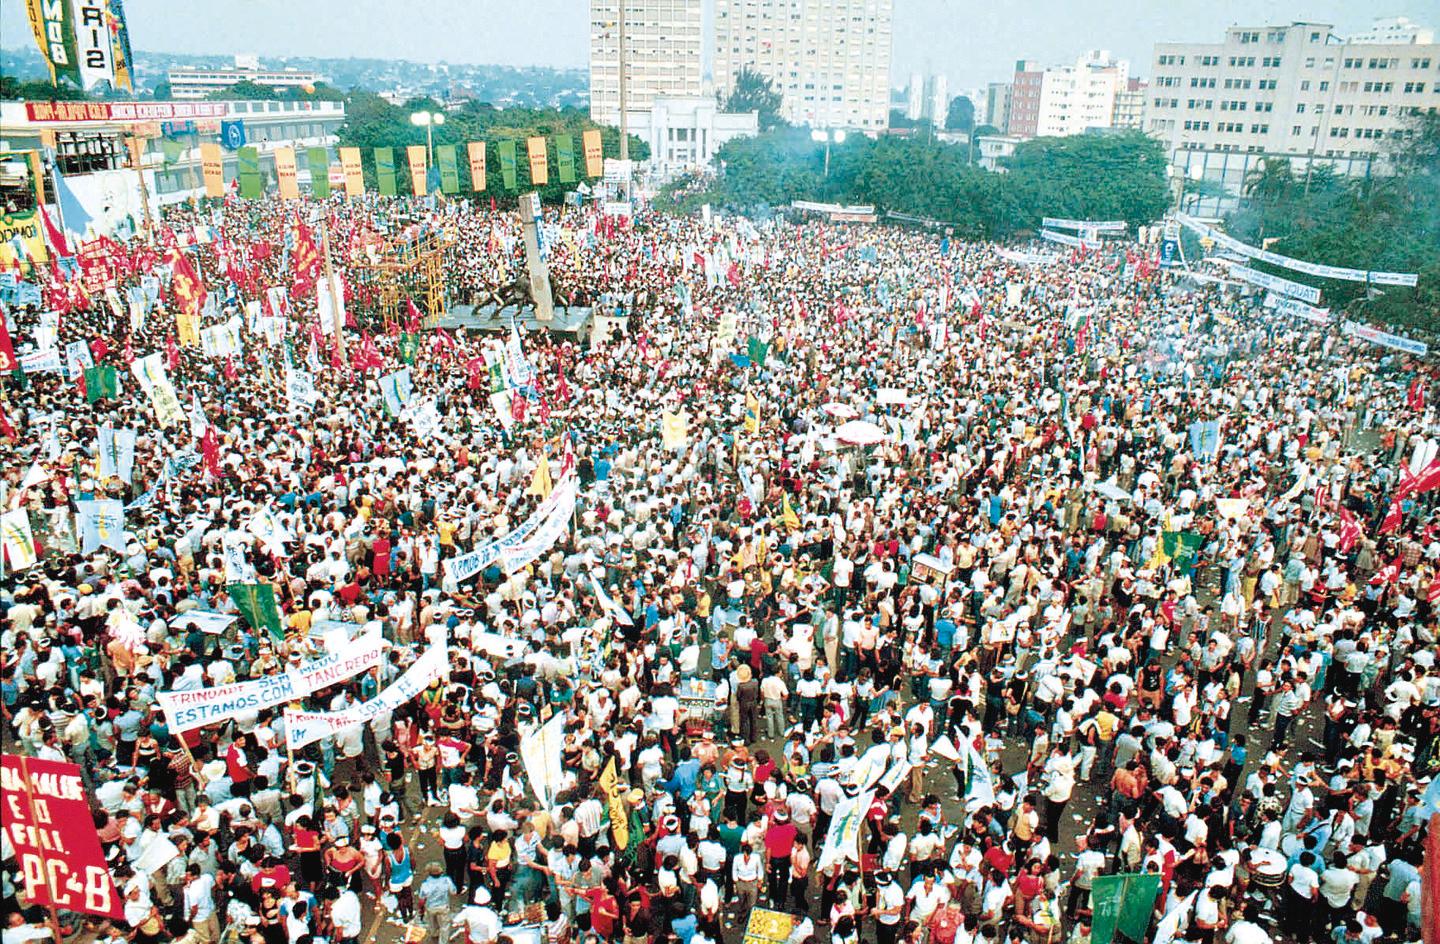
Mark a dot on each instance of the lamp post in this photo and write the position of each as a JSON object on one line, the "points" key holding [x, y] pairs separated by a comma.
{"points": [[827, 138], [428, 120]]}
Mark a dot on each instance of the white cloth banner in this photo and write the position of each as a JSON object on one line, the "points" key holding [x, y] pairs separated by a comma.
{"points": [[1025, 258], [608, 604], [1385, 339], [1296, 265], [300, 389], [1065, 239], [77, 358], [115, 449], [101, 523], [268, 528], [842, 839], [1103, 226], [306, 727], [1293, 306], [541, 753], [223, 339], [195, 708], [150, 372], [515, 556], [467, 565], [19, 539], [1265, 280]]}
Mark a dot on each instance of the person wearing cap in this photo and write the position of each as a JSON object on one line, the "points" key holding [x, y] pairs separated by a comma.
{"points": [[779, 844], [478, 920], [433, 900]]}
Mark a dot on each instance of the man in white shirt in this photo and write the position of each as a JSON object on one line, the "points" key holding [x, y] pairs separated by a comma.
{"points": [[345, 915]]}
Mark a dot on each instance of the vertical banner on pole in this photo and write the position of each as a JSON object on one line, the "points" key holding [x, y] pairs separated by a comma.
{"points": [[594, 153], [354, 174], [507, 164], [449, 168], [385, 171], [285, 173], [247, 161], [212, 165], [565, 157], [319, 160], [1122, 906], [476, 152], [539, 161], [416, 155]]}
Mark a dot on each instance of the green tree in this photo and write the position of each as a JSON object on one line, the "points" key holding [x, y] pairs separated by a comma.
{"points": [[13, 89], [161, 91], [754, 92], [961, 114]]}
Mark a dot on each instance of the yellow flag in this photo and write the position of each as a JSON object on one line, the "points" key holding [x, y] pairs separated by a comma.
{"points": [[787, 514], [614, 793], [540, 482], [752, 414], [674, 430], [187, 329]]}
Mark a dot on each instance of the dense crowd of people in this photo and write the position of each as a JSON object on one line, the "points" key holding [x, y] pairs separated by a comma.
{"points": [[1020, 568]]}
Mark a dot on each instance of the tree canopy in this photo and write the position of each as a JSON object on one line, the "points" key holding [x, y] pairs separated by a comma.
{"points": [[755, 92], [961, 115]]}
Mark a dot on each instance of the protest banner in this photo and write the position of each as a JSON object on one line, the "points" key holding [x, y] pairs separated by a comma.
{"points": [[475, 151], [47, 819], [1122, 905], [1226, 241], [1298, 290], [541, 753], [186, 710], [520, 546], [842, 839], [1396, 342], [594, 153], [306, 727]]}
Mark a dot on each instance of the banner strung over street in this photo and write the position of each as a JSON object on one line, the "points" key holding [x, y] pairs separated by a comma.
{"points": [[47, 818], [1226, 241], [307, 727], [1385, 339], [188, 710]]}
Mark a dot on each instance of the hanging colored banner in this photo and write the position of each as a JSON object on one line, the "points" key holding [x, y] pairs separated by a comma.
{"points": [[286, 174], [507, 163], [385, 171], [565, 157], [539, 161], [415, 153], [594, 153], [449, 168], [307, 727], [247, 162], [54, 31], [354, 174], [1122, 905], [476, 152], [256, 602], [319, 161], [57, 851], [21, 239], [212, 165]]}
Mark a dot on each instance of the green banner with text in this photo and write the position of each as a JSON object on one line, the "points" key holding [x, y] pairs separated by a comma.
{"points": [[565, 157], [385, 171], [319, 160], [507, 163], [449, 168], [248, 163]]}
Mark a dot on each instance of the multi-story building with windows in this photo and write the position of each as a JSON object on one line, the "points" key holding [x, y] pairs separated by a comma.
{"points": [[1069, 99], [664, 54], [188, 83], [830, 62]]}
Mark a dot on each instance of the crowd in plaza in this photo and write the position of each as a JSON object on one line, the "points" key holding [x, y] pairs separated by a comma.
{"points": [[1022, 567]]}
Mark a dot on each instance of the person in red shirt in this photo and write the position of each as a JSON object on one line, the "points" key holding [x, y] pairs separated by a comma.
{"points": [[604, 909], [779, 843]]}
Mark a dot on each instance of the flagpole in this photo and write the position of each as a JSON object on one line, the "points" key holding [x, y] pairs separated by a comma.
{"points": [[136, 145], [335, 316]]}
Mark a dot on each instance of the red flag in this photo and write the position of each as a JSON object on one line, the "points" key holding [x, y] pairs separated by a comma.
{"points": [[1415, 396], [172, 353], [1390, 573], [230, 372], [185, 283], [517, 406], [367, 355], [1428, 478], [6, 429], [412, 323], [305, 260], [128, 354], [210, 451], [475, 373], [53, 236], [7, 349], [733, 275], [1433, 594], [1350, 531]]}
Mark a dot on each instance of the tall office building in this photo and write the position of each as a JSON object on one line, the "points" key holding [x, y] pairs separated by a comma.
{"points": [[1295, 90], [1130, 105], [665, 50], [997, 106], [830, 63], [1068, 99], [937, 100], [915, 97]]}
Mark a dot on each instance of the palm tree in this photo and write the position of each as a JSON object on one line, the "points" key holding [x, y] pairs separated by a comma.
{"points": [[1269, 185]]}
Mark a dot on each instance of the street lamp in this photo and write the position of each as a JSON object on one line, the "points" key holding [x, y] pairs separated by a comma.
{"points": [[827, 138], [428, 120]]}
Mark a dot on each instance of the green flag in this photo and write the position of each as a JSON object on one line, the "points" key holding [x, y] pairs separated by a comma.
{"points": [[565, 157], [1122, 905], [102, 381], [507, 163], [385, 171], [757, 349], [172, 150], [449, 168], [247, 161], [256, 602], [1182, 547], [319, 160], [409, 345]]}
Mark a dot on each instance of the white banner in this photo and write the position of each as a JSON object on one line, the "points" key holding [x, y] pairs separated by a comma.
{"points": [[1104, 226], [272, 534], [468, 565], [1065, 239], [300, 389], [1296, 265], [608, 604], [1026, 258], [1385, 339], [115, 450], [191, 709], [306, 727], [223, 339], [150, 372], [541, 753], [1293, 306], [19, 539], [842, 839], [1265, 280], [554, 524]]}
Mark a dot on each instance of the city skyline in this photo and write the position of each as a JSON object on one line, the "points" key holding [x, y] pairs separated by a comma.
{"points": [[970, 45]]}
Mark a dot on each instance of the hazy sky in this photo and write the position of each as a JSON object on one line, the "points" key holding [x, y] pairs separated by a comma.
{"points": [[971, 42]]}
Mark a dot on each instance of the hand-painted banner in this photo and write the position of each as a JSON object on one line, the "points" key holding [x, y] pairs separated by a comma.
{"points": [[354, 173], [462, 568], [101, 523], [150, 372], [307, 727], [539, 161], [19, 539], [542, 753], [1298, 265], [842, 839], [318, 159], [212, 165], [1385, 339], [449, 168], [607, 602], [247, 162], [475, 150], [1065, 239], [1293, 306], [1265, 280], [415, 154], [594, 153], [57, 851], [385, 171], [508, 164], [565, 158], [286, 174], [195, 708], [1105, 226]]}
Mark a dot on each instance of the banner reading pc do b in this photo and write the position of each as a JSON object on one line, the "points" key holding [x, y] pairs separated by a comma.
{"points": [[48, 820]]}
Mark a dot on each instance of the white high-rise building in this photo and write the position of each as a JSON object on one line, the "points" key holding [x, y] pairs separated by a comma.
{"points": [[664, 54], [1295, 90], [937, 100], [830, 62], [915, 97], [1069, 99]]}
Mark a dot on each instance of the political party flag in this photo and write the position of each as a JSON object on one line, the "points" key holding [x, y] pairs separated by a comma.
{"points": [[101, 523], [7, 349], [305, 261], [979, 786], [409, 346], [19, 539], [415, 157], [287, 173], [1205, 439], [100, 382], [787, 514], [449, 168], [674, 429], [318, 159], [354, 172], [752, 414], [396, 389], [475, 151], [256, 602], [116, 451], [539, 161], [1350, 531], [565, 157], [76, 219], [385, 171], [594, 153], [757, 350], [187, 286], [612, 793], [540, 482], [212, 168], [508, 163], [1122, 904]]}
